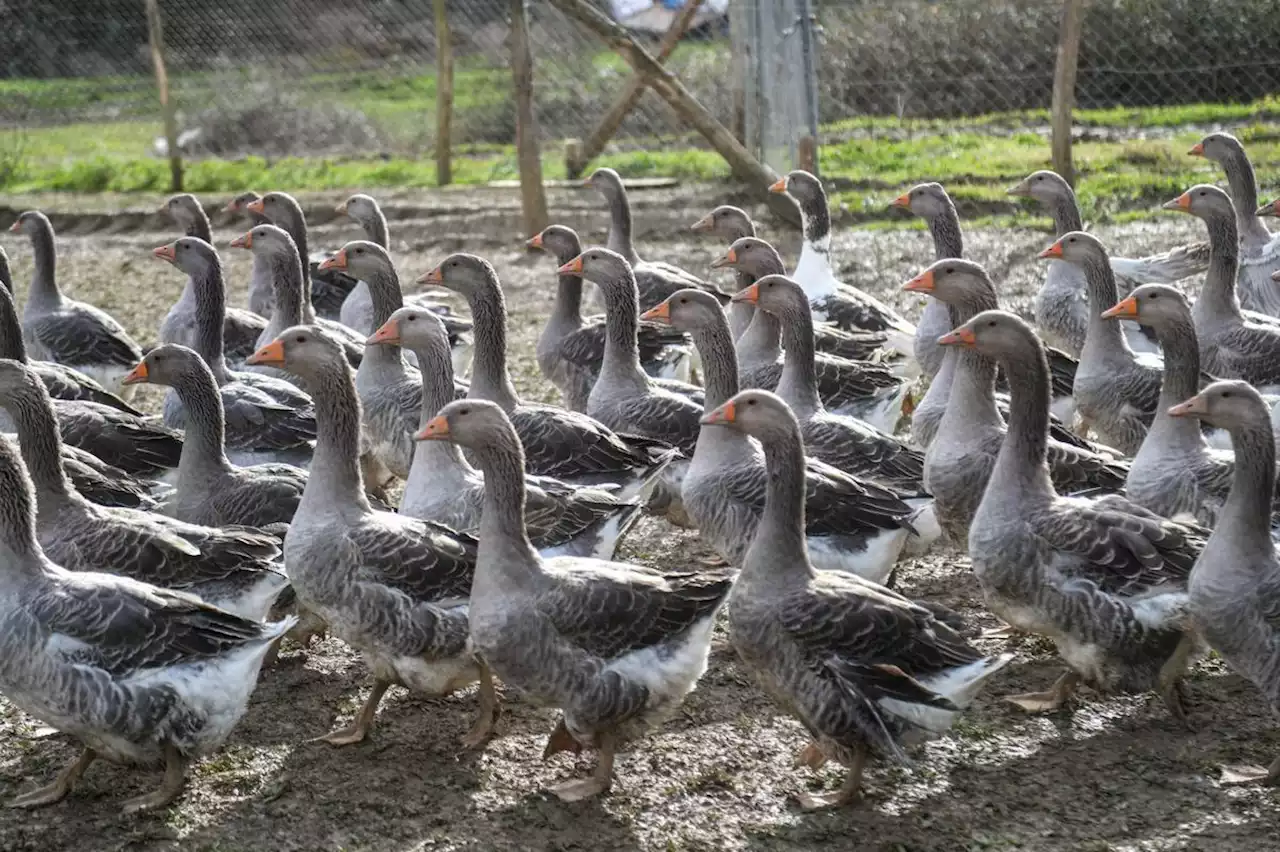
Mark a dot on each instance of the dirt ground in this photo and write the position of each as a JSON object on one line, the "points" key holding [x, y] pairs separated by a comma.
{"points": [[1115, 774]]}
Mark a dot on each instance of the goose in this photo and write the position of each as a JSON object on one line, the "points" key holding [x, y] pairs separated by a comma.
{"points": [[569, 349], [563, 519], [1234, 589], [563, 444], [1232, 344], [834, 301], [1259, 249], [240, 328], [232, 569], [357, 308], [62, 382], [655, 280], [1062, 304], [62, 330], [1175, 472], [107, 485], [854, 526], [136, 673], [1102, 578], [210, 490], [868, 390], [291, 307], [960, 459], [393, 588], [262, 297], [268, 419], [864, 669], [615, 647], [326, 287]]}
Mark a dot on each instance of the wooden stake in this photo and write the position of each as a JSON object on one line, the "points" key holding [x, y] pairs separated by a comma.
{"points": [[756, 176], [1064, 86], [533, 197], [444, 95], [807, 154], [631, 93], [155, 35]]}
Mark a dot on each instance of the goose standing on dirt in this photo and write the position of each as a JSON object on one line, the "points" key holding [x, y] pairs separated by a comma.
{"points": [[655, 280], [852, 526], [960, 459], [210, 490], [615, 647], [231, 569], [326, 287], [240, 329], [65, 331], [1259, 249], [834, 301], [563, 519], [393, 588], [863, 668], [1062, 304], [1102, 578], [136, 673], [559, 443], [570, 349], [1235, 585]]}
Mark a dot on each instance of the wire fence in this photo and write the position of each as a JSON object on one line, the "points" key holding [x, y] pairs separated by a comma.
{"points": [[297, 77]]}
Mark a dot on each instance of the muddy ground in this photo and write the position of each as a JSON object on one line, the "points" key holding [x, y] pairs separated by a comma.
{"points": [[1115, 774]]}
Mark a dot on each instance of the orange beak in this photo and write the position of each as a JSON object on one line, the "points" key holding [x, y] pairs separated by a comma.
{"points": [[338, 261], [706, 223], [780, 185], [534, 242], [1124, 309], [729, 259], [137, 375], [389, 333], [437, 429], [256, 206], [16, 226], [1271, 209], [750, 295], [270, 355], [573, 267], [165, 252], [903, 201], [1197, 150], [959, 337], [922, 283], [1182, 202], [434, 277], [726, 413], [659, 313], [1195, 405], [341, 208], [231, 207], [245, 240], [1054, 250]]}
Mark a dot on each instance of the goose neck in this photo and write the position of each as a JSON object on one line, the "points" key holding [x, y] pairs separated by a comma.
{"points": [[778, 553], [1066, 213], [12, 346], [971, 402], [41, 445], [1105, 338], [1180, 381], [621, 363], [489, 377], [211, 309], [203, 442], [798, 385], [1245, 520], [761, 342], [199, 225], [375, 228], [44, 279], [1218, 299], [948, 239], [620, 234], [505, 557], [1244, 193], [335, 467], [1020, 465], [720, 377], [19, 552], [436, 369], [386, 298], [286, 277]]}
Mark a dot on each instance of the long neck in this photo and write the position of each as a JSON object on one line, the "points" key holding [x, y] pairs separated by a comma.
{"points": [[211, 309], [286, 276], [1218, 295], [620, 238], [199, 225], [204, 439], [972, 400], [41, 444], [296, 225], [948, 240], [489, 377], [816, 222], [437, 391], [798, 385], [567, 310], [19, 552], [720, 384], [1066, 214], [778, 551], [761, 343], [622, 350], [1244, 193], [1246, 518], [12, 345], [502, 521], [1181, 381], [386, 298], [375, 228], [1104, 335], [1021, 462], [44, 280], [335, 467]]}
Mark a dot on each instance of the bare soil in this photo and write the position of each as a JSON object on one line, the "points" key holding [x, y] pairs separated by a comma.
{"points": [[1114, 774]]}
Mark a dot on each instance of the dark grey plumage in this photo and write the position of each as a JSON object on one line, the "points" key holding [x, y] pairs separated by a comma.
{"points": [[326, 287]]}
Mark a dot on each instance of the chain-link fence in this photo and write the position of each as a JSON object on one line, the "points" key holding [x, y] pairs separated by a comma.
{"points": [[277, 77]]}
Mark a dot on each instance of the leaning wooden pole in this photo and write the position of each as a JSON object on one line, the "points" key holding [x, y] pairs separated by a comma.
{"points": [[1064, 87], [532, 195], [155, 35], [444, 95], [747, 169], [630, 94]]}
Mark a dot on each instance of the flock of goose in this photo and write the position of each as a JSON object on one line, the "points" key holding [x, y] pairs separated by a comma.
{"points": [[150, 566]]}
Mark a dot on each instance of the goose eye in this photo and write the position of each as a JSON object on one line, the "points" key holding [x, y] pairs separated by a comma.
{"points": [[300, 339], [949, 270], [464, 410], [359, 251], [411, 317], [751, 402]]}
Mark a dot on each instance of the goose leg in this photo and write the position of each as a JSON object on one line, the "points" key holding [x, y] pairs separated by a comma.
{"points": [[1175, 699], [1233, 776], [811, 756], [1046, 702], [850, 791], [175, 773], [61, 786], [599, 782], [358, 729], [561, 740], [490, 710]]}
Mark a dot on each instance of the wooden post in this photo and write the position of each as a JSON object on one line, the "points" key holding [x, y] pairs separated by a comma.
{"points": [[1064, 86], [807, 154], [444, 95], [685, 105], [631, 93], [533, 197], [155, 34]]}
